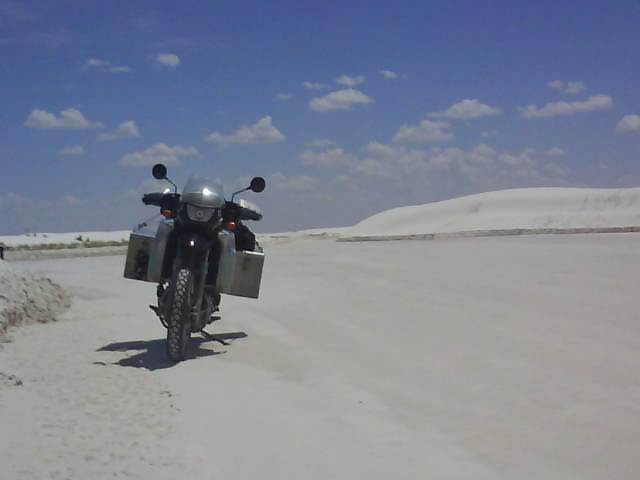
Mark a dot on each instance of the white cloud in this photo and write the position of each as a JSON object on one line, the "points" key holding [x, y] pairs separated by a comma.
{"points": [[313, 85], [555, 152], [124, 130], [96, 62], [69, 118], [489, 133], [321, 142], [425, 131], [466, 109], [350, 82], [170, 60], [72, 150], [260, 132], [121, 69], [482, 168], [158, 153], [339, 100], [380, 149], [335, 157], [572, 88], [105, 65], [629, 123], [283, 96], [554, 109], [388, 74]]}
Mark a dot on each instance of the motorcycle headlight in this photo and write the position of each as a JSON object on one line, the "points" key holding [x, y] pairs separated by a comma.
{"points": [[199, 214]]}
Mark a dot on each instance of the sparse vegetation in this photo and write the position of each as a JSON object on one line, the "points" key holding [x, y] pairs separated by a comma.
{"points": [[59, 246]]}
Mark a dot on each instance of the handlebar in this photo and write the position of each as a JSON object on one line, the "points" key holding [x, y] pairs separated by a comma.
{"points": [[232, 211], [153, 199], [247, 214]]}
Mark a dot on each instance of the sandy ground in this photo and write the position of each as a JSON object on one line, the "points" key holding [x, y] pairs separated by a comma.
{"points": [[473, 358]]}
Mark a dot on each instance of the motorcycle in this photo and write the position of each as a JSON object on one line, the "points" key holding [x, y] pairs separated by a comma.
{"points": [[199, 250]]}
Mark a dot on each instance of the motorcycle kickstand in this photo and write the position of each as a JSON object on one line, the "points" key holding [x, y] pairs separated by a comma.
{"points": [[213, 338]]}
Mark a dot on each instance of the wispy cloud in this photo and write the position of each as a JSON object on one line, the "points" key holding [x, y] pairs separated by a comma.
{"points": [[339, 100], [124, 130], [629, 123], [158, 153], [170, 60], [283, 96], [388, 74], [554, 109], [106, 66], [320, 142], [334, 157], [69, 118], [314, 85], [483, 166], [572, 88], [280, 181], [555, 152], [72, 150], [423, 132], [466, 109], [348, 81], [261, 132]]}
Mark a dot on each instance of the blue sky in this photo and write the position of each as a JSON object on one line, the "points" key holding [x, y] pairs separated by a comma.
{"points": [[346, 108]]}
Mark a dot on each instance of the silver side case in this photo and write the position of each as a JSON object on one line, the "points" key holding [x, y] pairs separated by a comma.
{"points": [[138, 253], [239, 273], [158, 251]]}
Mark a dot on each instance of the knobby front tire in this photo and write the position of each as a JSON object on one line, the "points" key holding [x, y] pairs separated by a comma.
{"points": [[179, 318]]}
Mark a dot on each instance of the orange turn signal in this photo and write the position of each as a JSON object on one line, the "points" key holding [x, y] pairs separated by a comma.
{"points": [[166, 213], [231, 226]]}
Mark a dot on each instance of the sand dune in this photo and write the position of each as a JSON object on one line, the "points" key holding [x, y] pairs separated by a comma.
{"points": [[531, 208]]}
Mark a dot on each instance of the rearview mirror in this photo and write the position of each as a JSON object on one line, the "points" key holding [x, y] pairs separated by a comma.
{"points": [[159, 171], [257, 184]]}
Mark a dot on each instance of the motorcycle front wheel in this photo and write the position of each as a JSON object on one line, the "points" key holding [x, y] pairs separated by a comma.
{"points": [[179, 315]]}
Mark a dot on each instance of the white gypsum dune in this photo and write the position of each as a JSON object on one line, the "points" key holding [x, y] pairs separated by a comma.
{"points": [[530, 208]]}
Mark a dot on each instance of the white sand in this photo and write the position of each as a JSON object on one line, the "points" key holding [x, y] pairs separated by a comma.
{"points": [[469, 359], [529, 208], [26, 297]]}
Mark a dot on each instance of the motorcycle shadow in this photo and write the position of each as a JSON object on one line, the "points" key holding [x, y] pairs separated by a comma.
{"points": [[153, 353]]}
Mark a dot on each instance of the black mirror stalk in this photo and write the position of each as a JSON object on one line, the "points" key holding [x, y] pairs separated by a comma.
{"points": [[159, 172]]}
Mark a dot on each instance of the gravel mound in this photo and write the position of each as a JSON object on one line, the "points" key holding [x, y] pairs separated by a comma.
{"points": [[27, 297]]}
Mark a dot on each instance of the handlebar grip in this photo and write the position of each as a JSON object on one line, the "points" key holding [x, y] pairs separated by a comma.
{"points": [[247, 214], [153, 199]]}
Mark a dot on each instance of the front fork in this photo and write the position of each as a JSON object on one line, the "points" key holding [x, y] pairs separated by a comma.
{"points": [[193, 253]]}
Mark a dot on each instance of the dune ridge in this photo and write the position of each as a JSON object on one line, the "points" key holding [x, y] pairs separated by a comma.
{"points": [[530, 210]]}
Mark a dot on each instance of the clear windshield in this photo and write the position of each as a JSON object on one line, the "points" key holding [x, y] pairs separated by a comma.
{"points": [[203, 192]]}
